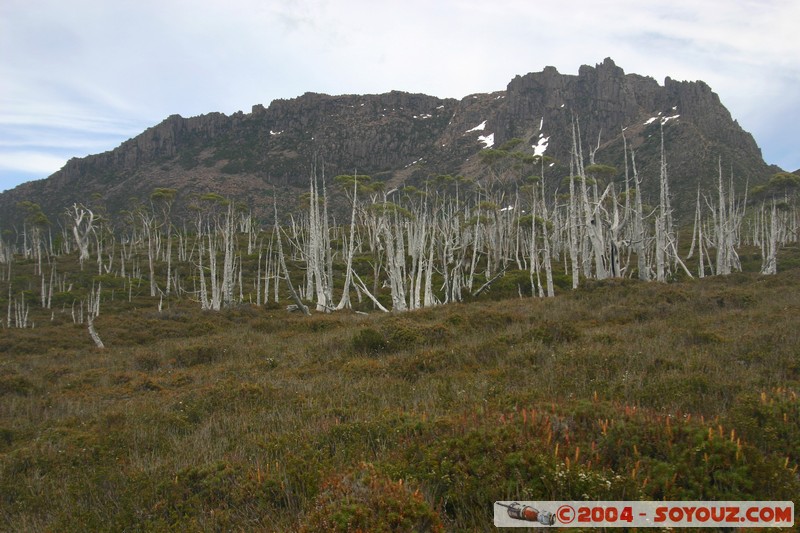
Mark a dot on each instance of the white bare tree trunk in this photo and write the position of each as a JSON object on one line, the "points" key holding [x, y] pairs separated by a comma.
{"points": [[726, 221], [639, 238], [428, 297], [395, 262], [573, 232], [548, 266], [228, 265], [366, 291], [83, 227], [148, 227], [769, 249], [298, 302], [344, 303], [216, 289], [94, 312]]}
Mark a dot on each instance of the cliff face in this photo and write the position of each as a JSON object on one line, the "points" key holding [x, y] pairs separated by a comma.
{"points": [[399, 137]]}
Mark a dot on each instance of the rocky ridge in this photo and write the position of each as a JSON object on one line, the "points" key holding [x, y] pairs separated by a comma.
{"points": [[400, 137]]}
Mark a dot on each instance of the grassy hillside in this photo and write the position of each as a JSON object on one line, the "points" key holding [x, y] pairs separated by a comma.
{"points": [[256, 419]]}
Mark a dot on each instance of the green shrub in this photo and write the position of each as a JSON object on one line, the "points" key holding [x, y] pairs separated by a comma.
{"points": [[17, 385], [370, 342], [550, 332], [6, 438], [364, 500], [197, 355], [147, 361], [770, 421], [401, 332]]}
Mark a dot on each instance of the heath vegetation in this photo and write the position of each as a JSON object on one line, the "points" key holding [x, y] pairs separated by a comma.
{"points": [[151, 377], [252, 418]]}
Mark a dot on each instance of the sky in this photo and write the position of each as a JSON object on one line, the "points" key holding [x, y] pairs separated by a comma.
{"points": [[79, 77]]}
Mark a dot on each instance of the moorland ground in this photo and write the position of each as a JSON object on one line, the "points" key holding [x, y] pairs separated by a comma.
{"points": [[253, 418]]}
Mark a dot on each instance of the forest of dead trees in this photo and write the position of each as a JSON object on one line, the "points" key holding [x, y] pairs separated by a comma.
{"points": [[399, 249]]}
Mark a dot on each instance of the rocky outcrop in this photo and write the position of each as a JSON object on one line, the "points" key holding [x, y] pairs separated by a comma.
{"points": [[400, 136], [604, 102]]}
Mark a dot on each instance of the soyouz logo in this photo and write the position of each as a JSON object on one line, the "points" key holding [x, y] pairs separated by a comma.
{"points": [[644, 514], [527, 513]]}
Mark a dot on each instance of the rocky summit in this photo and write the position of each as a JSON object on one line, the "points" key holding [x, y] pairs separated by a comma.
{"points": [[406, 138]]}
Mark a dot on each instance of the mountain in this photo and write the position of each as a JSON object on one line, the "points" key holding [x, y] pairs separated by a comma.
{"points": [[405, 138]]}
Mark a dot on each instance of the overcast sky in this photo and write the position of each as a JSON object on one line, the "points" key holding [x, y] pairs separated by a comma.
{"points": [[79, 77]]}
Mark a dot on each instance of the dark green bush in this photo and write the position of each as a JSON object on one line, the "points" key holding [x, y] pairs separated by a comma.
{"points": [[551, 332], [147, 361], [17, 385], [369, 342], [197, 355]]}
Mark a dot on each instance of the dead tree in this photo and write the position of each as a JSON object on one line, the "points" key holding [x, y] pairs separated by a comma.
{"points": [[318, 253], [639, 238], [93, 308], [548, 263], [769, 244], [344, 302], [164, 198], [282, 261], [82, 228], [726, 222]]}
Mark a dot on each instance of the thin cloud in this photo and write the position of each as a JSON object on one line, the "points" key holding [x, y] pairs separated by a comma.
{"points": [[28, 162]]}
